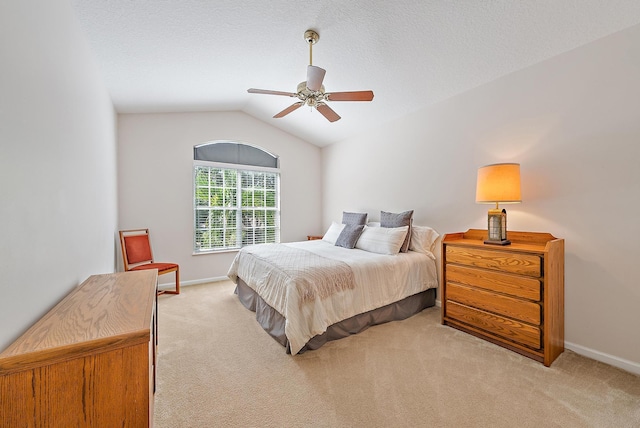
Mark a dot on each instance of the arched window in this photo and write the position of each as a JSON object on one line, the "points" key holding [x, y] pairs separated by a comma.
{"points": [[236, 196]]}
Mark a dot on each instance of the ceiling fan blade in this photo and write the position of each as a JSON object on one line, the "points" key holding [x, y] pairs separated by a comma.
{"points": [[350, 96], [315, 76], [327, 112], [289, 109], [268, 92]]}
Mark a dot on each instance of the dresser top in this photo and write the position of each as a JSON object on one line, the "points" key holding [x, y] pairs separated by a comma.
{"points": [[105, 311], [520, 241]]}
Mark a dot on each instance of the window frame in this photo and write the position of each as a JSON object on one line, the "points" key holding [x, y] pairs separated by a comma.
{"points": [[238, 207]]}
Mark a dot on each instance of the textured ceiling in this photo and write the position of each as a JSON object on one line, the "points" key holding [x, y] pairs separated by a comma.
{"points": [[196, 55]]}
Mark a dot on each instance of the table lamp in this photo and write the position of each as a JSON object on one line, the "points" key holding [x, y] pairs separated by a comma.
{"points": [[498, 183]]}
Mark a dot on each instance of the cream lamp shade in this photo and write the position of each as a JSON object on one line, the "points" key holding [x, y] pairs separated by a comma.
{"points": [[498, 183]]}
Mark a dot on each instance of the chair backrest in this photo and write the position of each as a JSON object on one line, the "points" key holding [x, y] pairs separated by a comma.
{"points": [[136, 248]]}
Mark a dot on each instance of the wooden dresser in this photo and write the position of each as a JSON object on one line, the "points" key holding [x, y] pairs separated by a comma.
{"points": [[510, 295], [89, 362]]}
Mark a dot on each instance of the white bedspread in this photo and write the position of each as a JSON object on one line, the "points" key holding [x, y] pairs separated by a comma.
{"points": [[379, 280]]}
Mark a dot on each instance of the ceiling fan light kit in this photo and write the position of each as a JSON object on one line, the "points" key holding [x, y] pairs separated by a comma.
{"points": [[312, 92]]}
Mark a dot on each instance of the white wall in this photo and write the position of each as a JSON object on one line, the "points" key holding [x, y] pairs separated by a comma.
{"points": [[57, 163], [573, 123], [155, 167]]}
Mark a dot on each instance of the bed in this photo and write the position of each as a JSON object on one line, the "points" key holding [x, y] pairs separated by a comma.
{"points": [[310, 292]]}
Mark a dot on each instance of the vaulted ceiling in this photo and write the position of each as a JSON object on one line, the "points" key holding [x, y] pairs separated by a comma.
{"points": [[197, 55]]}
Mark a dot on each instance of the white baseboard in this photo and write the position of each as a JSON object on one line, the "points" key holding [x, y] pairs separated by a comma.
{"points": [[612, 360], [172, 285]]}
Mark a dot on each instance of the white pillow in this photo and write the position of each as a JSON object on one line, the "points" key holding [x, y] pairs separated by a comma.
{"points": [[423, 239], [382, 240], [333, 232]]}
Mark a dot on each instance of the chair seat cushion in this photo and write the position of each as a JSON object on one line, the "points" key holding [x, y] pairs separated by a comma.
{"points": [[162, 267]]}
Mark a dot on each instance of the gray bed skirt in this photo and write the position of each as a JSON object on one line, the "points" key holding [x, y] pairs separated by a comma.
{"points": [[273, 323]]}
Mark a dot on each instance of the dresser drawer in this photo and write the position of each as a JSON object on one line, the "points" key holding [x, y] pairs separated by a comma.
{"points": [[512, 262], [521, 310], [504, 327], [514, 285]]}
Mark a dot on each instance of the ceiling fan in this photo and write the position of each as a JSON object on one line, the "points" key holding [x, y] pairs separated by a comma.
{"points": [[312, 91]]}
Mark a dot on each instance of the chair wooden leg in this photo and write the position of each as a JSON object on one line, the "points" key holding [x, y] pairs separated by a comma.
{"points": [[177, 290]]}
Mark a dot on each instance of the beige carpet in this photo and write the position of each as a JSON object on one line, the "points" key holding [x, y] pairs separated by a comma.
{"points": [[218, 368]]}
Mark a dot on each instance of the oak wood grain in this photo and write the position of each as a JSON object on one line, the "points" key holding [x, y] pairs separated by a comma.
{"points": [[502, 326], [527, 351], [523, 264], [511, 295], [518, 309], [554, 301], [89, 361], [514, 285], [102, 307]]}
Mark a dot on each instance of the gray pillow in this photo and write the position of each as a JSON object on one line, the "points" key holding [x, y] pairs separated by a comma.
{"points": [[397, 220], [349, 235], [354, 218]]}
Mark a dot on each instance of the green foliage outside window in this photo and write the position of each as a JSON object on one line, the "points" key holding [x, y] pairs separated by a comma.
{"points": [[220, 223]]}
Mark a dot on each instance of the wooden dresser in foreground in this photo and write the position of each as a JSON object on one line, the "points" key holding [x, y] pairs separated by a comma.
{"points": [[510, 295], [89, 362]]}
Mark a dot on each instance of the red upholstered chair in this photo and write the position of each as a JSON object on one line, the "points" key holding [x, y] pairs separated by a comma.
{"points": [[137, 255]]}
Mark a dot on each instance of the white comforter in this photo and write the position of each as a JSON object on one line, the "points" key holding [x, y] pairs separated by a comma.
{"points": [[379, 281]]}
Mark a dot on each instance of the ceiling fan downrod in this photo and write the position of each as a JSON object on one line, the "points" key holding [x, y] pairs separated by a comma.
{"points": [[312, 38]]}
